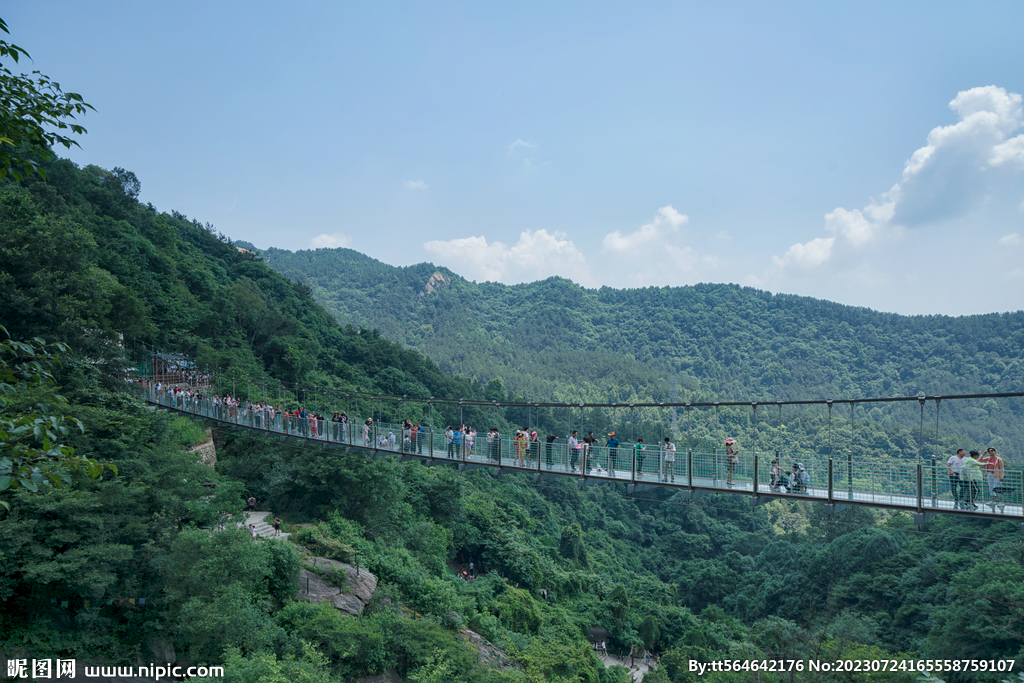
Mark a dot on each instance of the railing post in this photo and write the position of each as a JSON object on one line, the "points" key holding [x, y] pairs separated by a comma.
{"points": [[830, 480], [756, 471], [689, 467], [632, 464], [849, 475], [920, 487], [935, 487]]}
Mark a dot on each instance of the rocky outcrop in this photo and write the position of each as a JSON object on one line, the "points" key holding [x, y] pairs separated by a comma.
{"points": [[437, 281], [490, 655], [207, 451], [350, 598]]}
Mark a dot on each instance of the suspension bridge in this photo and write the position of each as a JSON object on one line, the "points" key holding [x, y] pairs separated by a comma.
{"points": [[922, 487]]}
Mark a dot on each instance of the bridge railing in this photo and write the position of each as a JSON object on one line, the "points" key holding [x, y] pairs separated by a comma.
{"points": [[908, 484]]}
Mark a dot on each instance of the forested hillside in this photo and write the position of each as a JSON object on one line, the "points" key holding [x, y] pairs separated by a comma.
{"points": [[554, 340], [126, 567]]}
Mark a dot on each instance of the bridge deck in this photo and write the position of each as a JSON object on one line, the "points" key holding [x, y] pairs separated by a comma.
{"points": [[923, 488]]}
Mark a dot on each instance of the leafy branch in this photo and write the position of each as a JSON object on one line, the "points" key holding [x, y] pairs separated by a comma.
{"points": [[33, 113], [32, 453]]}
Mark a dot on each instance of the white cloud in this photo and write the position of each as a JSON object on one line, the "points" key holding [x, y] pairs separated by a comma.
{"points": [[414, 185], [326, 241], [652, 254], [1011, 240], [808, 255], [952, 173], [666, 222], [520, 143], [1009, 153], [946, 178], [537, 255], [852, 225]]}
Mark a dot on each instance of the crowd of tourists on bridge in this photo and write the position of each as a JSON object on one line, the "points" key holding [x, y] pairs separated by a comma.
{"points": [[527, 448]]}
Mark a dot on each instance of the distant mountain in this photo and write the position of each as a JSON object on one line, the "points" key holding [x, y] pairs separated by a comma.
{"points": [[556, 340]]}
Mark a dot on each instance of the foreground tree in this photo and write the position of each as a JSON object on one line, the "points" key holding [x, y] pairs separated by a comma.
{"points": [[34, 113], [32, 454]]}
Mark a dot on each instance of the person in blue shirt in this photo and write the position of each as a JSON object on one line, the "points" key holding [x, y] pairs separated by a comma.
{"points": [[457, 442], [613, 452]]}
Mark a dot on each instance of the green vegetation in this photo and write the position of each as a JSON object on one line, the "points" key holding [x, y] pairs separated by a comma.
{"points": [[125, 563], [556, 341], [33, 112], [710, 579]]}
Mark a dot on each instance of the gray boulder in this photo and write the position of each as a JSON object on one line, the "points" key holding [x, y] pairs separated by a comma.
{"points": [[350, 598]]}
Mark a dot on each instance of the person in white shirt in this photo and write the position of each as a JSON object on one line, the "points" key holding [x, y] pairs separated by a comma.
{"points": [[574, 450], [955, 465], [669, 461]]}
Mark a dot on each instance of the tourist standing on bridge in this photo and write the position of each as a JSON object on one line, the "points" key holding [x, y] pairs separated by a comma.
{"points": [[493, 444], [449, 439], [457, 441], [574, 449], [774, 476], [613, 452], [994, 473], [551, 439], [731, 459], [588, 449], [970, 474], [367, 441], [638, 456], [668, 461], [534, 448], [955, 465], [521, 448]]}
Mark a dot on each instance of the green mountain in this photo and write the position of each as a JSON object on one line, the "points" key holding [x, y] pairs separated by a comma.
{"points": [[554, 340], [128, 567]]}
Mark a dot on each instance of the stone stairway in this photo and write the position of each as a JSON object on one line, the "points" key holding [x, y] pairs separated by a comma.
{"points": [[263, 530], [636, 673]]}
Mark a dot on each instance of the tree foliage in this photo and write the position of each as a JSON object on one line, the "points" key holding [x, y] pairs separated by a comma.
{"points": [[34, 113], [33, 455]]}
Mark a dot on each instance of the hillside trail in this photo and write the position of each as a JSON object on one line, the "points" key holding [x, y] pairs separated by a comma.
{"points": [[635, 674], [263, 530]]}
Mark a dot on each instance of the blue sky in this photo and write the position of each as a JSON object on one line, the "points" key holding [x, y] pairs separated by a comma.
{"points": [[869, 153]]}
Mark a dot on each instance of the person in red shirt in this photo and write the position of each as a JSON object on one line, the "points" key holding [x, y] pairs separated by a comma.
{"points": [[994, 473]]}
